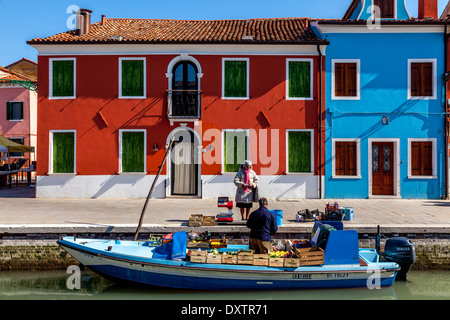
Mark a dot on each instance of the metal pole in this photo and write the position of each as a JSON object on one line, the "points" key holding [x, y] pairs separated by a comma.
{"points": [[151, 190]]}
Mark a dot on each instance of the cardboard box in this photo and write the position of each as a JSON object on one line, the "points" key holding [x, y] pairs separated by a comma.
{"points": [[276, 262]]}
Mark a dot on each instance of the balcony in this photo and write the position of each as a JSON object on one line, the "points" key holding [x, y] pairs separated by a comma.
{"points": [[183, 105]]}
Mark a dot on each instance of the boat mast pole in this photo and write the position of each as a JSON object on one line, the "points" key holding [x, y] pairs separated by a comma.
{"points": [[151, 190]]}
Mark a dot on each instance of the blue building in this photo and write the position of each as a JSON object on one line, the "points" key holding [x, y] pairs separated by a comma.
{"points": [[385, 102]]}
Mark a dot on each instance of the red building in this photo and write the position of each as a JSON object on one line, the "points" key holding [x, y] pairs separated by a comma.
{"points": [[113, 94]]}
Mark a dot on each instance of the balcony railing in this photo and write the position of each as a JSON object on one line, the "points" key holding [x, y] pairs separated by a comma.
{"points": [[183, 104]]}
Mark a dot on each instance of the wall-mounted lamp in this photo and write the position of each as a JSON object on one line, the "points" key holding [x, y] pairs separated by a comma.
{"points": [[385, 121], [155, 147]]}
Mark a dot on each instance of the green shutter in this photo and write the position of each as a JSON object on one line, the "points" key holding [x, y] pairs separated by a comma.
{"points": [[299, 79], [235, 77], [63, 78], [299, 151], [63, 152], [132, 78], [133, 151], [235, 150], [8, 110]]}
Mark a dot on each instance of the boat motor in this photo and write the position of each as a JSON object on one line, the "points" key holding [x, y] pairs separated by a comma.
{"points": [[399, 250]]}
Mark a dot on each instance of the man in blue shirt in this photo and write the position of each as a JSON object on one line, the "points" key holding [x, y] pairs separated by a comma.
{"points": [[263, 225]]}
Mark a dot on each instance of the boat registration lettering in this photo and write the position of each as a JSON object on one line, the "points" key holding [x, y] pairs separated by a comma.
{"points": [[337, 275], [301, 276]]}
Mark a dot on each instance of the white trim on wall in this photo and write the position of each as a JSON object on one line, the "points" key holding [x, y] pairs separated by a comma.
{"points": [[144, 77], [434, 158], [247, 60], [358, 78], [434, 96], [120, 150], [311, 85], [358, 158], [312, 150], [50, 78]]}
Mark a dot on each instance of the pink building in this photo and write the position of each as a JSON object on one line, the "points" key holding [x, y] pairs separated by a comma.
{"points": [[18, 109]]}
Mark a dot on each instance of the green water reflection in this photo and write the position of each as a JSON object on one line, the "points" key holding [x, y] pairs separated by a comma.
{"points": [[40, 285]]}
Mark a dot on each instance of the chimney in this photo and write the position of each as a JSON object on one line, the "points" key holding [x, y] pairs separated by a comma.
{"points": [[103, 19], [428, 9], [83, 21]]}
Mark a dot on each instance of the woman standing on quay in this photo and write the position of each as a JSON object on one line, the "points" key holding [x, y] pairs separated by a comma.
{"points": [[245, 180]]}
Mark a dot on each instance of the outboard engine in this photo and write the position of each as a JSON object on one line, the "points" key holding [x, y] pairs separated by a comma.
{"points": [[401, 251]]}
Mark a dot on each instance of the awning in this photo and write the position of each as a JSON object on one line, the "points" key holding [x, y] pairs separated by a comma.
{"points": [[7, 145]]}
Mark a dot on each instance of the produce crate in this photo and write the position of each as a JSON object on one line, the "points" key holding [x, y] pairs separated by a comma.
{"points": [[209, 221], [276, 262], [198, 244], [260, 260], [218, 243], [195, 220], [245, 257], [229, 258], [213, 258], [198, 256], [292, 262], [312, 256]]}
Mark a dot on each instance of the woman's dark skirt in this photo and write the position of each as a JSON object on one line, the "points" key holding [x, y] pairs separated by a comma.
{"points": [[244, 205]]}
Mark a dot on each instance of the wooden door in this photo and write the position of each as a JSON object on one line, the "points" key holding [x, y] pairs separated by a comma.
{"points": [[382, 168]]}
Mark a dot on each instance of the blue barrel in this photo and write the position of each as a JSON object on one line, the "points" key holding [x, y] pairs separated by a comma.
{"points": [[278, 215]]}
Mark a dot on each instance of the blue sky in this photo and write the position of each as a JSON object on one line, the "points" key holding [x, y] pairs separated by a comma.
{"points": [[23, 20]]}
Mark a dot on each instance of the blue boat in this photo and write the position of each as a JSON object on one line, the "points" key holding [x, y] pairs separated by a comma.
{"points": [[345, 265]]}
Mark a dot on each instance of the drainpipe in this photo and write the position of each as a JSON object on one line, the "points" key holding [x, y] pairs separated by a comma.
{"points": [[446, 118], [320, 120]]}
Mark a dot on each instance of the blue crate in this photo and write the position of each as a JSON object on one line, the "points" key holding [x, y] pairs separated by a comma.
{"points": [[349, 213]]}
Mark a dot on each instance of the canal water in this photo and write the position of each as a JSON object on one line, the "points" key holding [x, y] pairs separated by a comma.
{"points": [[56, 285]]}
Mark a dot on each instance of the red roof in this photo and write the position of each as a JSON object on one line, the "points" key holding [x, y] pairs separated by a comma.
{"points": [[261, 31], [8, 75]]}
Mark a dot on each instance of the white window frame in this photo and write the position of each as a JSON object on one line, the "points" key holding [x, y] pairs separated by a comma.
{"points": [[50, 78], [434, 157], [358, 158], [312, 151], [248, 78], [50, 168], [247, 156], [23, 104], [434, 96], [358, 79], [120, 77], [120, 150], [311, 85]]}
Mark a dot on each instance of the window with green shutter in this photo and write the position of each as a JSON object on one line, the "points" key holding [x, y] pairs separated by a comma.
{"points": [[63, 78], [132, 78], [133, 151], [235, 147], [235, 78], [299, 151], [299, 79], [63, 152], [14, 110]]}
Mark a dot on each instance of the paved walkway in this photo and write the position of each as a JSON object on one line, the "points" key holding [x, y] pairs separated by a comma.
{"points": [[21, 212]]}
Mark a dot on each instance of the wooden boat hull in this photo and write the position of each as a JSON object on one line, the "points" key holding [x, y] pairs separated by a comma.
{"points": [[140, 267]]}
